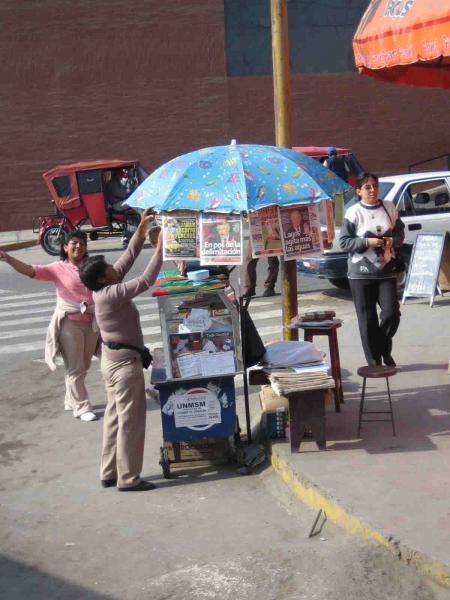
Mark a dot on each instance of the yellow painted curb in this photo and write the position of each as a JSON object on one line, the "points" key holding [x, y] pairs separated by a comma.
{"points": [[311, 495], [18, 245]]}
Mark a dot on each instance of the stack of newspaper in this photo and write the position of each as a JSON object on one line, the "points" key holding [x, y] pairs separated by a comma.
{"points": [[297, 379]]}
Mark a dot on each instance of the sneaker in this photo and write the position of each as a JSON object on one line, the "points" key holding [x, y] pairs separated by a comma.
{"points": [[268, 293], [88, 416]]}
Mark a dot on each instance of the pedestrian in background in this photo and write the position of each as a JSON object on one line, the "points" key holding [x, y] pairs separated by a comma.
{"points": [[336, 163], [373, 235], [123, 355], [72, 331], [249, 274]]}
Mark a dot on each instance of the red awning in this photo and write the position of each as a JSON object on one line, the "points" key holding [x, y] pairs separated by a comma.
{"points": [[405, 41]]}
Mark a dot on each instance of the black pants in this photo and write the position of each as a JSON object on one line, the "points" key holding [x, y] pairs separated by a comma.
{"points": [[376, 334], [249, 271]]}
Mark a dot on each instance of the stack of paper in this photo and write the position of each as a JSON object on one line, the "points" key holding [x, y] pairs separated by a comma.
{"points": [[297, 379]]}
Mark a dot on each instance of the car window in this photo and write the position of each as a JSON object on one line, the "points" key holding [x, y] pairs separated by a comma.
{"points": [[425, 198]]}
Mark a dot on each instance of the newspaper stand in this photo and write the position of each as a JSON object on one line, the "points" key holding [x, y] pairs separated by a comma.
{"points": [[202, 354]]}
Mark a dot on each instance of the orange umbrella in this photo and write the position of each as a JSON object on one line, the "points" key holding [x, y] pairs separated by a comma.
{"points": [[405, 41]]}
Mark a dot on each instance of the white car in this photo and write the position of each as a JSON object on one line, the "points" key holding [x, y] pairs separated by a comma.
{"points": [[423, 201]]}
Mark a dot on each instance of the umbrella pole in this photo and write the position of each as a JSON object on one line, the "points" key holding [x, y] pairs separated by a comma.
{"points": [[283, 136]]}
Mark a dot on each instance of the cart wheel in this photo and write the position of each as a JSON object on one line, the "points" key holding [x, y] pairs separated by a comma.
{"points": [[164, 462]]}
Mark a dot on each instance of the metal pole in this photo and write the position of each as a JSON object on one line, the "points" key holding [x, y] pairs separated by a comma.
{"points": [[283, 136]]}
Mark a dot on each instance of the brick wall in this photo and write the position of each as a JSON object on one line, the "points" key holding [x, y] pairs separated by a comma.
{"points": [[147, 80]]}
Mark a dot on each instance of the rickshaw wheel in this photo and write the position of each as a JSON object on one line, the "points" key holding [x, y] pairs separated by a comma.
{"points": [[93, 236], [52, 239], [165, 463]]}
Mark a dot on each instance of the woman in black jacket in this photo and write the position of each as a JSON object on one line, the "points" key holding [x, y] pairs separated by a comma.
{"points": [[372, 234]]}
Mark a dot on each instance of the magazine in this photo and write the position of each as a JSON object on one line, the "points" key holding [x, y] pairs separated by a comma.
{"points": [[301, 230], [180, 236], [265, 232], [220, 239]]}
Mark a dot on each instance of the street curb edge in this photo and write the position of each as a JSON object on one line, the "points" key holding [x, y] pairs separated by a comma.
{"points": [[311, 495], [18, 245]]}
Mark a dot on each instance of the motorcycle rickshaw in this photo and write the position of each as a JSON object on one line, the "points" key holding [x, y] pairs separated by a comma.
{"points": [[82, 196]]}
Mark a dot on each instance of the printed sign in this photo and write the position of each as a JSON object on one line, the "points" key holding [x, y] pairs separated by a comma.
{"points": [[197, 409], [180, 236], [301, 230], [265, 232], [220, 239]]}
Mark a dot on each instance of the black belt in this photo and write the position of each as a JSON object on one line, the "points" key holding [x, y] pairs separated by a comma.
{"points": [[144, 352]]}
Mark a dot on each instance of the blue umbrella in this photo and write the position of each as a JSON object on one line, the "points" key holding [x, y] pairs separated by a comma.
{"points": [[236, 178]]}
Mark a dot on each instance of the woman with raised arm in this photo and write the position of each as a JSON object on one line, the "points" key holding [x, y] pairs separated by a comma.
{"points": [[123, 357], [72, 331]]}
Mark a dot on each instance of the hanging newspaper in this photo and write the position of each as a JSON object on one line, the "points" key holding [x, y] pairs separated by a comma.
{"points": [[180, 236], [265, 232], [220, 239], [301, 230], [330, 221]]}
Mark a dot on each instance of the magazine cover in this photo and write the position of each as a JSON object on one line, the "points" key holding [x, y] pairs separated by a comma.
{"points": [[180, 236], [220, 239], [301, 230], [265, 232], [330, 221]]}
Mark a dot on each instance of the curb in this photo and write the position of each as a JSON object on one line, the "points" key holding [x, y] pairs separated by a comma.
{"points": [[311, 495], [18, 245]]}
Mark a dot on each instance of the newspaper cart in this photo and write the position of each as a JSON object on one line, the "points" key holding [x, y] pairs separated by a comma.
{"points": [[201, 356]]}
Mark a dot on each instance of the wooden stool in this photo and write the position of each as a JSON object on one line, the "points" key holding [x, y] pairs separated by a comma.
{"points": [[375, 372], [330, 331], [307, 411]]}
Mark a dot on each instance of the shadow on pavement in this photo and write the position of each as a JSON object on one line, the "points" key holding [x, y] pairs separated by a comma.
{"points": [[420, 414], [20, 581]]}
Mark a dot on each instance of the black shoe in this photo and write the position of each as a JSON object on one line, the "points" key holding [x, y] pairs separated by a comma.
{"points": [[268, 293], [142, 486], [108, 483], [249, 293], [389, 361]]}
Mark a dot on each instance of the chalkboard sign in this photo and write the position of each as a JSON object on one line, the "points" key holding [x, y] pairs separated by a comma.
{"points": [[430, 251]]}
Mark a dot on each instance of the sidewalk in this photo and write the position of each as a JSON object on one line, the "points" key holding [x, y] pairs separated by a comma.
{"points": [[394, 490], [16, 240]]}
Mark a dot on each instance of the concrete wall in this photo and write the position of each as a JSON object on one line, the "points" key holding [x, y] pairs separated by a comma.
{"points": [[148, 79]]}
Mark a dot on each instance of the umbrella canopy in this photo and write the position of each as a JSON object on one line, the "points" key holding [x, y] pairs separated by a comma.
{"points": [[406, 41], [236, 178]]}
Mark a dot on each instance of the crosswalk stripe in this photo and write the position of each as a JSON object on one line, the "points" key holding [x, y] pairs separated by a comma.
{"points": [[18, 313], [23, 347], [50, 295], [22, 333], [32, 304]]}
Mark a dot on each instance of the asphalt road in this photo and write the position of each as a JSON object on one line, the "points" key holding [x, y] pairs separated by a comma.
{"points": [[206, 534]]}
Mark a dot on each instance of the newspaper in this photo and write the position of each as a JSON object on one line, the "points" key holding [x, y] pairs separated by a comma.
{"points": [[180, 236], [330, 221], [265, 232], [220, 239], [301, 230]]}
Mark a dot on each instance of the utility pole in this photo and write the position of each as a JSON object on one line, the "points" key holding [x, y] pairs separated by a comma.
{"points": [[283, 137]]}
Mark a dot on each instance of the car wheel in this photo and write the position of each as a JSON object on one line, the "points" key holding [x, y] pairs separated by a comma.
{"points": [[52, 238], [341, 283]]}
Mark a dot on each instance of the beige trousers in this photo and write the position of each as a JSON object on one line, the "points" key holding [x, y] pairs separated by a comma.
{"points": [[77, 342], [124, 421]]}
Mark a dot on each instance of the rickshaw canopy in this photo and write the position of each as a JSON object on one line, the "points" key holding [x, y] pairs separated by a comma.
{"points": [[62, 180], [405, 41]]}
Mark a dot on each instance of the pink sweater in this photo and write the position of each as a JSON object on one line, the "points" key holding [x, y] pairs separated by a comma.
{"points": [[116, 314], [69, 288]]}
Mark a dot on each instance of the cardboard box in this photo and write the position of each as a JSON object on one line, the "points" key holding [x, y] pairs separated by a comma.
{"points": [[271, 401]]}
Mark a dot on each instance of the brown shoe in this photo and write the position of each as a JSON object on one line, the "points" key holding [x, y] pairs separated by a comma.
{"points": [[142, 486]]}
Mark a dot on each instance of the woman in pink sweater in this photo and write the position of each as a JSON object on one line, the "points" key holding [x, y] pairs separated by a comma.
{"points": [[72, 331]]}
